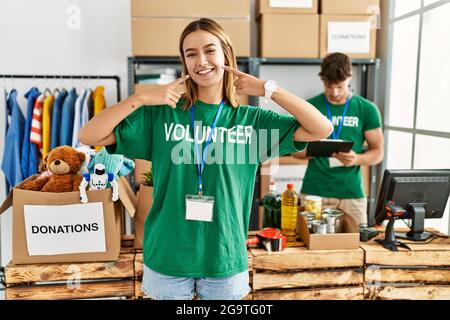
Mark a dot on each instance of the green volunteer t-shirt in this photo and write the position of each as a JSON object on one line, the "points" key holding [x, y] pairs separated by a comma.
{"points": [[342, 182], [244, 137]]}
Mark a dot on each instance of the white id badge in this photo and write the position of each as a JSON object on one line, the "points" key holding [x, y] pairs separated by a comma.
{"points": [[334, 162], [199, 208]]}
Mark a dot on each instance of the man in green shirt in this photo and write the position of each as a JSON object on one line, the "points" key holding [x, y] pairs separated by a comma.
{"points": [[338, 180]]}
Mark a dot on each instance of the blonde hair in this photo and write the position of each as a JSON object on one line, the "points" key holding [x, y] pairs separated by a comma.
{"points": [[229, 90]]}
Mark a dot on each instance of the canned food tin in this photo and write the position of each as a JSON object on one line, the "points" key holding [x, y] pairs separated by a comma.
{"points": [[310, 217], [314, 204], [319, 227], [333, 219]]}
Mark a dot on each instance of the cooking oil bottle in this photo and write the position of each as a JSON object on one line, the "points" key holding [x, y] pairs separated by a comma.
{"points": [[272, 208], [289, 202]]}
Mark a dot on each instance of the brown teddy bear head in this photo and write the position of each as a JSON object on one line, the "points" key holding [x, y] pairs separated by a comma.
{"points": [[64, 160]]}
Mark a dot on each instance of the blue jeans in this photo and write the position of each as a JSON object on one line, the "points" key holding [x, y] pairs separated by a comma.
{"points": [[161, 287]]}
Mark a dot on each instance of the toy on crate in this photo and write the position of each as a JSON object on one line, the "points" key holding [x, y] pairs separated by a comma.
{"points": [[59, 171], [116, 164], [98, 181], [104, 170]]}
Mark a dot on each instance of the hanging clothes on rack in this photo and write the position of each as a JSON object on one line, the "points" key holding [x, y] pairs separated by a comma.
{"points": [[86, 107], [30, 154], [13, 142], [36, 123], [90, 103], [77, 118], [99, 99], [36, 132], [47, 124], [99, 103], [67, 114], [4, 102], [56, 119]]}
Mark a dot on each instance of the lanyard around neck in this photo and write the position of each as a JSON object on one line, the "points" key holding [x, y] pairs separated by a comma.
{"points": [[336, 134], [200, 166]]}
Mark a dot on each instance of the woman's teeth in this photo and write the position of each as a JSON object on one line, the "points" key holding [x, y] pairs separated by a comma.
{"points": [[206, 71]]}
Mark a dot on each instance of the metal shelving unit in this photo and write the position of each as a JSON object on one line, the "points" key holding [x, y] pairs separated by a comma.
{"points": [[369, 88]]}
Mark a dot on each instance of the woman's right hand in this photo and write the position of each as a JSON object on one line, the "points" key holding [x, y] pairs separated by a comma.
{"points": [[163, 94], [99, 131]]}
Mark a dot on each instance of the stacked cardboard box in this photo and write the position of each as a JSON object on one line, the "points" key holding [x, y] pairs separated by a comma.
{"points": [[349, 26], [157, 25], [289, 29]]}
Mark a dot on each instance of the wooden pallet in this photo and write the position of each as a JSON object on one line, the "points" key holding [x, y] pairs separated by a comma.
{"points": [[299, 273], [420, 274], [57, 281]]}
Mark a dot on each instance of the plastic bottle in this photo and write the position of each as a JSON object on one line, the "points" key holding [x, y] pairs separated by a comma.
{"points": [[272, 208], [289, 208]]}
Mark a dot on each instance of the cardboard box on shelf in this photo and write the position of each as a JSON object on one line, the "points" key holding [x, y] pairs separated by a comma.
{"points": [[56, 227], [160, 36], [370, 7], [348, 239], [191, 8], [352, 35], [287, 7], [289, 36]]}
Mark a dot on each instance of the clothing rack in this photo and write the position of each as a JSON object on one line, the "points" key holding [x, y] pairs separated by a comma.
{"points": [[58, 77], [55, 77]]}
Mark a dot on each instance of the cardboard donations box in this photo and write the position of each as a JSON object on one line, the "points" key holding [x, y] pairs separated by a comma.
{"points": [[191, 8], [156, 25], [287, 6], [354, 35], [350, 7], [289, 36], [57, 227], [160, 36], [348, 239]]}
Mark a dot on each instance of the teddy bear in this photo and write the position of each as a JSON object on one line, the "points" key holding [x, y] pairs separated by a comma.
{"points": [[62, 165]]}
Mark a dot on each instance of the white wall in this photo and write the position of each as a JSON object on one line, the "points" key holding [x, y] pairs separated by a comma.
{"points": [[41, 37]]}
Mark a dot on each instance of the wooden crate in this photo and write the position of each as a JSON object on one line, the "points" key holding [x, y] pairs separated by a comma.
{"points": [[139, 270], [57, 281], [298, 273], [420, 274]]}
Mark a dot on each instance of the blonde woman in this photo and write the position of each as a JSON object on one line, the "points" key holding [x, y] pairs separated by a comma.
{"points": [[205, 150]]}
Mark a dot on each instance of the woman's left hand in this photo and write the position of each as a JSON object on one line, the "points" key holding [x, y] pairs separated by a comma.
{"points": [[246, 85]]}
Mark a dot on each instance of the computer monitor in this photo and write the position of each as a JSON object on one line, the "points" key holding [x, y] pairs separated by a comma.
{"points": [[415, 195]]}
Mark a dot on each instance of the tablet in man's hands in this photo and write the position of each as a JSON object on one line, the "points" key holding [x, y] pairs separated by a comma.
{"points": [[325, 148]]}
